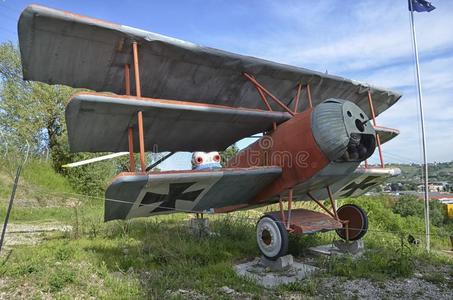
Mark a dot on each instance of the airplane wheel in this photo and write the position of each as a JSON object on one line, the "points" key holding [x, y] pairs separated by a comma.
{"points": [[358, 222], [272, 237]]}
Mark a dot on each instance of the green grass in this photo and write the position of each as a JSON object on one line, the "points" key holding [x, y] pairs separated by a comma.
{"points": [[36, 214], [40, 174], [62, 268], [374, 265], [150, 257], [386, 227], [147, 257], [44, 195], [5, 190], [309, 287]]}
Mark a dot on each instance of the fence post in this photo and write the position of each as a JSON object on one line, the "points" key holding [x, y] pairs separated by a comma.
{"points": [[13, 194]]}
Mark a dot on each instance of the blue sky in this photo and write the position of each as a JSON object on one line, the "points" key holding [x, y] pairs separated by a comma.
{"points": [[363, 40]]}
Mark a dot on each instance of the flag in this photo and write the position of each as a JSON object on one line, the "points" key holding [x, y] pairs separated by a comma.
{"points": [[421, 6]]}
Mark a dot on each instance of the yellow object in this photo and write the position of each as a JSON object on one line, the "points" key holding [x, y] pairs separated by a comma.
{"points": [[450, 210]]}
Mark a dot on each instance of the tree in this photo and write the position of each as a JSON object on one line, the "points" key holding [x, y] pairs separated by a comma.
{"points": [[408, 205], [411, 205], [29, 110], [34, 112], [228, 154]]}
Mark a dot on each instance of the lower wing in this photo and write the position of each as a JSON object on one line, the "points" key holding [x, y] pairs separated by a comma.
{"points": [[131, 196], [362, 180], [354, 184]]}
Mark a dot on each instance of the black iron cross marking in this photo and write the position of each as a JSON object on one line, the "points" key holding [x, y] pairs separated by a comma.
{"points": [[176, 192], [352, 187]]}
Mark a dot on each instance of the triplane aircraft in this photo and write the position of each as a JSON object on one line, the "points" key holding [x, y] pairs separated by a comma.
{"points": [[156, 93]]}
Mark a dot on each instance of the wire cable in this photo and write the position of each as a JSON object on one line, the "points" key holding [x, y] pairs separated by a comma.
{"points": [[252, 219]]}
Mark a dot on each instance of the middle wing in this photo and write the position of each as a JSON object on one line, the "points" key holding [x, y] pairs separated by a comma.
{"points": [[100, 122]]}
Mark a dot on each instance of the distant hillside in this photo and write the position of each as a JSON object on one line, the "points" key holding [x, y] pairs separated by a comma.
{"points": [[411, 174]]}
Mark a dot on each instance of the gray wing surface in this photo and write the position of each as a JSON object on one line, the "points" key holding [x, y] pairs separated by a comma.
{"points": [[65, 48], [363, 180], [100, 122], [386, 134], [356, 184], [132, 196]]}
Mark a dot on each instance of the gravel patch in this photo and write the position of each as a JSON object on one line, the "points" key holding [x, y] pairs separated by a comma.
{"points": [[31, 234], [411, 288]]}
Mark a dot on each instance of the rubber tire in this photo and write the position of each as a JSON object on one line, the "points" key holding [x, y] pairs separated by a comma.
{"points": [[364, 226], [283, 234]]}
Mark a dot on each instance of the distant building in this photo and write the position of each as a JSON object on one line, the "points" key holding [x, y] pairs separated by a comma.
{"points": [[433, 187], [448, 202]]}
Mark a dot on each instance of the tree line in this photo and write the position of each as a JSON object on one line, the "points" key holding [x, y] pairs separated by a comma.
{"points": [[33, 112]]}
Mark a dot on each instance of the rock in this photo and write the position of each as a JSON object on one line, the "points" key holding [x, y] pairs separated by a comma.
{"points": [[227, 290], [353, 247], [186, 294]]}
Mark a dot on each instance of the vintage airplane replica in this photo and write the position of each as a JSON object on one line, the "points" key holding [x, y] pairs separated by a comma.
{"points": [[160, 94]]}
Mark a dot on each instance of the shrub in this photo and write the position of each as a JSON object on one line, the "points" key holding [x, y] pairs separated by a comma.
{"points": [[60, 278], [411, 205], [408, 205]]}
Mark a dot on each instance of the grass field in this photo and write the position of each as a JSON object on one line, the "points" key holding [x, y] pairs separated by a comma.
{"points": [[154, 257]]}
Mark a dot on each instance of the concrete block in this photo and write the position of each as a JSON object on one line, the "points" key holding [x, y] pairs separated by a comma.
{"points": [[199, 227], [263, 275], [352, 247], [340, 247], [280, 264]]}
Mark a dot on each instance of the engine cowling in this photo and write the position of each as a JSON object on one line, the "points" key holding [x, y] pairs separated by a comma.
{"points": [[334, 131], [343, 131]]}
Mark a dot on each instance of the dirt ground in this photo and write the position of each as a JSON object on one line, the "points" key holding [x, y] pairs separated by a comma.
{"points": [[411, 288], [31, 234]]}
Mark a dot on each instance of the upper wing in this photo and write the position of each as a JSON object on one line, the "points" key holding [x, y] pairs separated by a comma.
{"points": [[131, 196], [66, 48], [100, 122]]}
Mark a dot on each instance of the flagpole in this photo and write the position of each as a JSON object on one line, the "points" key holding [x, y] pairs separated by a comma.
{"points": [[422, 123]]}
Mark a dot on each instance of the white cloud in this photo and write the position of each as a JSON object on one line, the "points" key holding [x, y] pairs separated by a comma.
{"points": [[368, 41], [374, 45]]}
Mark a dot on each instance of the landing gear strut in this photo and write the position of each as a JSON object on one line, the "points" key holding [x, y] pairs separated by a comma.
{"points": [[349, 221]]}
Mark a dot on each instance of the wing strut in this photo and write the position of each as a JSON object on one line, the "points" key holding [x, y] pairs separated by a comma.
{"points": [[378, 139], [138, 93], [157, 162], [263, 91], [296, 98], [130, 132]]}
